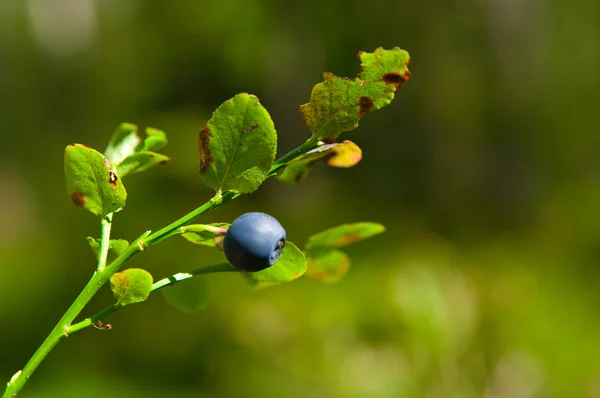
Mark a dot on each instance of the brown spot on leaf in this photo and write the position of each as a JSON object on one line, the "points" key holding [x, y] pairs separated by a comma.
{"points": [[265, 163], [396, 78], [349, 239], [167, 160], [85, 146], [112, 178], [250, 129], [299, 177], [206, 158], [320, 276], [328, 140], [78, 198], [365, 104]]}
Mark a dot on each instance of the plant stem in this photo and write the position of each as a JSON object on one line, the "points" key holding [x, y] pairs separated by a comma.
{"points": [[103, 273], [171, 280], [280, 163], [212, 204], [106, 224], [61, 328], [176, 278]]}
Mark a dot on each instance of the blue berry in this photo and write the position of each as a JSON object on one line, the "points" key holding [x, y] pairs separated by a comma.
{"points": [[254, 241]]}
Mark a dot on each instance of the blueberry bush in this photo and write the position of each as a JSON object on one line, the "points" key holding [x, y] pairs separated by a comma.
{"points": [[237, 153]]}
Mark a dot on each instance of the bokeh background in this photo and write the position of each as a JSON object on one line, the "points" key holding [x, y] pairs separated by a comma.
{"points": [[485, 170]]}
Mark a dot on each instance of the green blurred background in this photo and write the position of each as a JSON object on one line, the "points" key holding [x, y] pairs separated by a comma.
{"points": [[485, 169]]}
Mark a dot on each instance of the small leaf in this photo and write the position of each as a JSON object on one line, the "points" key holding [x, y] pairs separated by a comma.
{"points": [[203, 237], [344, 154], [91, 182], [329, 267], [141, 161], [155, 140], [237, 146], [342, 235], [291, 265], [122, 143], [338, 104], [131, 286], [188, 296], [130, 154], [118, 246]]}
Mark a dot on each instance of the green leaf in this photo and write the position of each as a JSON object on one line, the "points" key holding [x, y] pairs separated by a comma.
{"points": [[329, 267], [155, 140], [237, 146], [199, 235], [122, 143], [340, 236], [118, 246], [141, 161], [91, 182], [291, 265], [131, 286], [344, 154], [188, 296], [338, 104], [130, 154]]}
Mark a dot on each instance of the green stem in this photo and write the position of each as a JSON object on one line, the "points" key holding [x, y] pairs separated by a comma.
{"points": [[60, 331], [176, 278], [282, 162], [167, 231], [106, 224], [171, 280], [103, 274]]}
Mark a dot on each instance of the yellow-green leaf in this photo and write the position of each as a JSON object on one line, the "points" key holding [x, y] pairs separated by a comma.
{"points": [[342, 235], [329, 267], [131, 286], [344, 154], [338, 104]]}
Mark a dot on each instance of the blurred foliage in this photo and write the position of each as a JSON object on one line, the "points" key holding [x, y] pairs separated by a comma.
{"points": [[484, 170]]}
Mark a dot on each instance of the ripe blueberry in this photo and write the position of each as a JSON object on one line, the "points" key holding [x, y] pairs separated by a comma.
{"points": [[254, 241]]}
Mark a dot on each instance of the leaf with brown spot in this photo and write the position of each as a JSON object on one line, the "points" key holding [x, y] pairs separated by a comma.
{"points": [[340, 236], [345, 154], [131, 286], [237, 146], [337, 104], [91, 182]]}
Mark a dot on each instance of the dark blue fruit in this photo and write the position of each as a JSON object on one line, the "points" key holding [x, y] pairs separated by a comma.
{"points": [[254, 241]]}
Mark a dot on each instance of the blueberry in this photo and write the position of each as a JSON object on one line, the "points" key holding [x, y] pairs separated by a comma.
{"points": [[254, 241]]}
